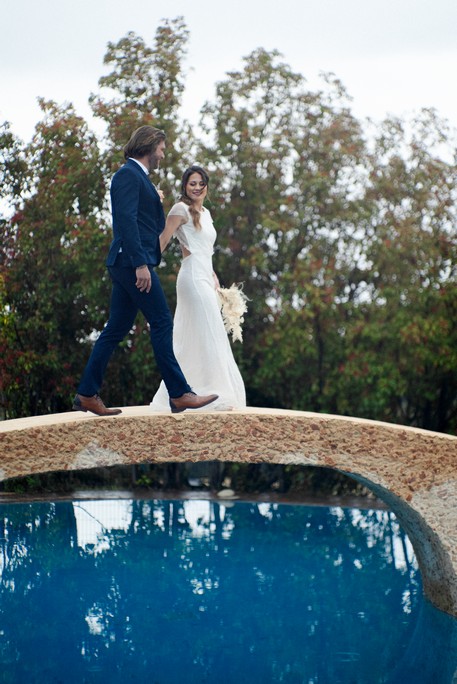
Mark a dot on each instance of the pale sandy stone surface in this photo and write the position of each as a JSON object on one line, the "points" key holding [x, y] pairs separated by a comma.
{"points": [[415, 471]]}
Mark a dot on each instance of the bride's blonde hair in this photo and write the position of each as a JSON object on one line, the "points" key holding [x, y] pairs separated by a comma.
{"points": [[195, 214]]}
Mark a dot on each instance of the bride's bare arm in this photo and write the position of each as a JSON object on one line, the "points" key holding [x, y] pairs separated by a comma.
{"points": [[171, 226]]}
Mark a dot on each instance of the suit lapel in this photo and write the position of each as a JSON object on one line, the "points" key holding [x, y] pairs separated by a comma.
{"points": [[137, 168], [154, 195]]}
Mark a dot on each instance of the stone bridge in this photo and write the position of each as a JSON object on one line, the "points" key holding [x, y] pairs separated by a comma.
{"points": [[413, 471]]}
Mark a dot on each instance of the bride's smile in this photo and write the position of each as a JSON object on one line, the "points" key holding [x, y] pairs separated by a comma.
{"points": [[196, 188]]}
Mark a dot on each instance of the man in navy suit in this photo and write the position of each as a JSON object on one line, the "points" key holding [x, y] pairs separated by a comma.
{"points": [[138, 220]]}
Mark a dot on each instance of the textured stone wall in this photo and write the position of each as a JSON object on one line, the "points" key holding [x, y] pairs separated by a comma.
{"points": [[414, 471]]}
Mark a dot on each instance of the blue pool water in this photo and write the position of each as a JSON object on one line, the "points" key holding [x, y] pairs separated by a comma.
{"points": [[184, 592]]}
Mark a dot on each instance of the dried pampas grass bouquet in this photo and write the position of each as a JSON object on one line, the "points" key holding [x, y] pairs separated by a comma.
{"points": [[232, 302]]}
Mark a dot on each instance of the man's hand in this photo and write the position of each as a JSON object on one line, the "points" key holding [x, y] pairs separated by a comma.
{"points": [[143, 278]]}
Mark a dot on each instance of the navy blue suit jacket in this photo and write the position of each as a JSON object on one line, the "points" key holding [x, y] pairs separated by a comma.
{"points": [[138, 218]]}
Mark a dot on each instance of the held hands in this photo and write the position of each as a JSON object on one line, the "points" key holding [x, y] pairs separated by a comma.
{"points": [[143, 278], [160, 193]]}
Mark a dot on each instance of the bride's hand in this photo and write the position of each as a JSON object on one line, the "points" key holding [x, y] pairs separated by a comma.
{"points": [[216, 281]]}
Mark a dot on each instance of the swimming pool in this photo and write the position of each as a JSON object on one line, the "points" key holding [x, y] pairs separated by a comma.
{"points": [[192, 591]]}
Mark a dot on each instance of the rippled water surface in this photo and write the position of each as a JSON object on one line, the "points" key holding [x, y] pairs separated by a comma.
{"points": [[195, 591]]}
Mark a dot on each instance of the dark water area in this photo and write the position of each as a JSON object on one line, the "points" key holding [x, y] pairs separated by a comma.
{"points": [[192, 591]]}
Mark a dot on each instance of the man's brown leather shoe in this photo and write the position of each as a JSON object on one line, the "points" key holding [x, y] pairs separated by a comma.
{"points": [[94, 405], [190, 400]]}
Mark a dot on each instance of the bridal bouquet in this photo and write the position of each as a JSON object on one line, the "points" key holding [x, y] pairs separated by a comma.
{"points": [[232, 301]]}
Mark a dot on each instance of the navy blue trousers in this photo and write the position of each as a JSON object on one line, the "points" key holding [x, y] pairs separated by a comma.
{"points": [[126, 301]]}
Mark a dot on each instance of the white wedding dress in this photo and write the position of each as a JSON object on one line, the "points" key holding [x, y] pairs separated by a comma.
{"points": [[200, 342]]}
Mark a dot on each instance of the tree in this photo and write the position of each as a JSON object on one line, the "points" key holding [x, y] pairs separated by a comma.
{"points": [[49, 256], [401, 362], [146, 85], [346, 246], [286, 161]]}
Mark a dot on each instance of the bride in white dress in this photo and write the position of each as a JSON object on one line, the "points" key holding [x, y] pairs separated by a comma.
{"points": [[200, 341]]}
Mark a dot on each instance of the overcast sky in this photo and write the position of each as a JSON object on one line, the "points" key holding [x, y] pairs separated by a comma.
{"points": [[393, 56]]}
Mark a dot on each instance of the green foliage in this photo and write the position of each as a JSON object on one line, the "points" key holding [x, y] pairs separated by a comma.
{"points": [[343, 236], [12, 164], [52, 278], [145, 85]]}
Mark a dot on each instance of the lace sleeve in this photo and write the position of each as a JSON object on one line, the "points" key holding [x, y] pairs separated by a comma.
{"points": [[180, 210]]}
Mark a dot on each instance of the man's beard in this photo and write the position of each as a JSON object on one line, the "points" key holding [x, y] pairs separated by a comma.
{"points": [[153, 162]]}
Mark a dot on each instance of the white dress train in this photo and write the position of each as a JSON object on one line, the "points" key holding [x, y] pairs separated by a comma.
{"points": [[200, 342]]}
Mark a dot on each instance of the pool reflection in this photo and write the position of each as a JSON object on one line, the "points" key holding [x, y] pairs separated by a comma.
{"points": [[197, 591]]}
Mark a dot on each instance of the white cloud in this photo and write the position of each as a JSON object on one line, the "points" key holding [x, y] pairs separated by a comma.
{"points": [[392, 55]]}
